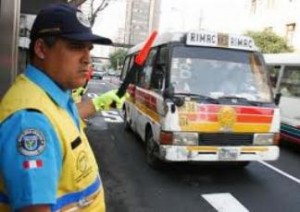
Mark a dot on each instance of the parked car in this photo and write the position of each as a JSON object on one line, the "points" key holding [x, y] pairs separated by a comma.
{"points": [[99, 71], [111, 72]]}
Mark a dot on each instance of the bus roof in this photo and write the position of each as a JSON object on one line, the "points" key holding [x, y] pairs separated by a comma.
{"points": [[282, 59], [161, 39], [203, 38]]}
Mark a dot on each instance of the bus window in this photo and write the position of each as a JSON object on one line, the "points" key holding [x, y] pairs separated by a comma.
{"points": [[160, 70], [274, 73], [290, 82], [125, 68], [218, 73], [128, 63], [144, 76]]}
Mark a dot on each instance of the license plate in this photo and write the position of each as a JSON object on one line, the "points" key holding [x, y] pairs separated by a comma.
{"points": [[228, 153]]}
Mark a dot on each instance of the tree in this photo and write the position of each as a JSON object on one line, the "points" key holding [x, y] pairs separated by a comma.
{"points": [[269, 42], [96, 6], [117, 58]]}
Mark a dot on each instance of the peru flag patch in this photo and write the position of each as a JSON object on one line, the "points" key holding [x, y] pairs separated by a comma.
{"points": [[32, 164]]}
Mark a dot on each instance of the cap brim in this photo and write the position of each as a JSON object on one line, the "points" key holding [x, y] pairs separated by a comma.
{"points": [[88, 37]]}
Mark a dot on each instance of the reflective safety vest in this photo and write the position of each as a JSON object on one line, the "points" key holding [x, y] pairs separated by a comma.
{"points": [[78, 93], [80, 187]]}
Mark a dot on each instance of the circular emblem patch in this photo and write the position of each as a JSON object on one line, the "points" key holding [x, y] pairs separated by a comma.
{"points": [[31, 142], [83, 19], [227, 118], [82, 162]]}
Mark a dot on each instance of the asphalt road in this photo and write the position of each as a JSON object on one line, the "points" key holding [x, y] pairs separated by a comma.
{"points": [[131, 185]]}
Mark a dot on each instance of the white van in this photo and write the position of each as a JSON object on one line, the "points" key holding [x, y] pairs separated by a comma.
{"points": [[203, 96]]}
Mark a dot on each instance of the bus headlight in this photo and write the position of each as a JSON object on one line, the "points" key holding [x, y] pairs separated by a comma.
{"points": [[188, 139], [263, 139]]}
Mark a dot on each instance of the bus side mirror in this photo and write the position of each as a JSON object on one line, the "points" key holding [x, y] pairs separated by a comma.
{"points": [[161, 64], [277, 98], [157, 79], [168, 93]]}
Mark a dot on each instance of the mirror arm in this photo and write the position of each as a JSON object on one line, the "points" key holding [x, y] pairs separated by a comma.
{"points": [[277, 98]]}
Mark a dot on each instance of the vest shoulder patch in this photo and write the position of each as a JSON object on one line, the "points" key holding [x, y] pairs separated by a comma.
{"points": [[31, 142]]}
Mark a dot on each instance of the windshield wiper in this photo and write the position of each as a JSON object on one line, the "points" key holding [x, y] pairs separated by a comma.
{"points": [[200, 97], [239, 100]]}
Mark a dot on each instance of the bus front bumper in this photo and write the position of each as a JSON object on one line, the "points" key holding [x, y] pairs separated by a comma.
{"points": [[220, 153]]}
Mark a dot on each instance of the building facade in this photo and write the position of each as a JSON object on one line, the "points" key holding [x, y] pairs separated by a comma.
{"points": [[14, 36], [280, 16], [142, 16]]}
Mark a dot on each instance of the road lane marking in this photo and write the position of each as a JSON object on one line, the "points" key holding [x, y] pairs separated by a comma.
{"points": [[112, 116], [224, 202], [91, 95], [97, 123], [96, 83], [280, 172]]}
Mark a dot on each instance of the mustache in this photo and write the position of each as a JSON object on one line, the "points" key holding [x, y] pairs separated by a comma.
{"points": [[84, 69]]}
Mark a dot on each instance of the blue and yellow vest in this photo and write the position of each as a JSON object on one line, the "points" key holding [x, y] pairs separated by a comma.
{"points": [[80, 187]]}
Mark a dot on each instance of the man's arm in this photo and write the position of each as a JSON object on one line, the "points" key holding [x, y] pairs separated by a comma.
{"points": [[86, 108], [20, 166]]}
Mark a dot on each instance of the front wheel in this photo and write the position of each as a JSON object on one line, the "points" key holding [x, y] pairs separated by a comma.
{"points": [[152, 151]]}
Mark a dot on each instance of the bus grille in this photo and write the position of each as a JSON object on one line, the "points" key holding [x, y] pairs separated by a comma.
{"points": [[225, 139]]}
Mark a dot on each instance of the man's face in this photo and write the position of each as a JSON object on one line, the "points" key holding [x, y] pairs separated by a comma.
{"points": [[67, 62]]}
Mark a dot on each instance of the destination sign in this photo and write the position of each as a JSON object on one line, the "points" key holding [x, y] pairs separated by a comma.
{"points": [[214, 39]]}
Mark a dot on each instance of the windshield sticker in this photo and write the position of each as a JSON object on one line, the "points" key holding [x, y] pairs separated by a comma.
{"points": [[185, 71], [182, 68], [181, 74], [189, 107], [183, 120]]}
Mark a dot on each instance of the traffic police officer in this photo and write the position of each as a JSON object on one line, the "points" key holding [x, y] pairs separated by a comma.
{"points": [[46, 162]]}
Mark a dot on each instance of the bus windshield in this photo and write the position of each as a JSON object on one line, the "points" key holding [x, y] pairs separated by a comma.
{"points": [[216, 72]]}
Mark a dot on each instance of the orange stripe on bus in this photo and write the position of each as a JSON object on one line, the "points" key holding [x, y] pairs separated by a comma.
{"points": [[254, 119], [207, 108]]}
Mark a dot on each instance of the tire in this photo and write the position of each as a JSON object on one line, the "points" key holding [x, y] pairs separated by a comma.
{"points": [[127, 126], [151, 149]]}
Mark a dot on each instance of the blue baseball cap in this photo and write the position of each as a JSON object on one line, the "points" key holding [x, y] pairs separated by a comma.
{"points": [[66, 21]]}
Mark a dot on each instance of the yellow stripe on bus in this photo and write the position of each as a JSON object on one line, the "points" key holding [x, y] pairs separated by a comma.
{"points": [[215, 127], [143, 109], [254, 149], [202, 148]]}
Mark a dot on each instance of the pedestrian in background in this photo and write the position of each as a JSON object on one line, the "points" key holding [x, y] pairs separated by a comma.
{"points": [[46, 162]]}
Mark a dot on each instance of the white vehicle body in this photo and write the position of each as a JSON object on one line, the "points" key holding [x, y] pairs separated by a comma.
{"points": [[285, 74], [215, 122]]}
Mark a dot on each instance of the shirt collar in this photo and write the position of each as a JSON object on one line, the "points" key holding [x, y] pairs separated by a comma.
{"points": [[60, 96]]}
